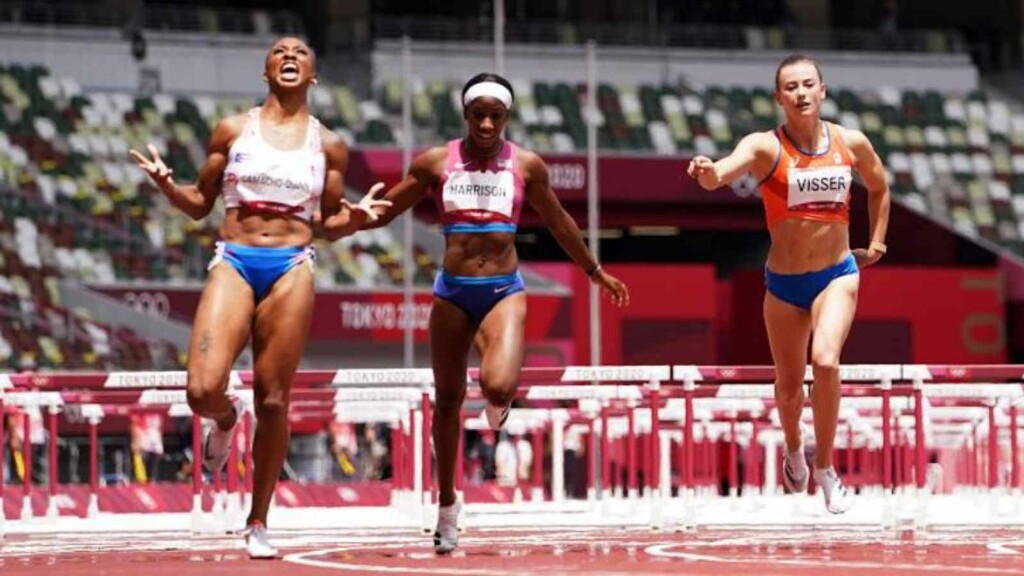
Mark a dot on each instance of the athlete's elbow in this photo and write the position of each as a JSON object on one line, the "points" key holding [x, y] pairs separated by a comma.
{"points": [[196, 213], [336, 229], [335, 234]]}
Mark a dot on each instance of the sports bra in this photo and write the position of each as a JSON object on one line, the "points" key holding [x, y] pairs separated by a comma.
{"points": [[806, 185], [268, 179], [477, 196]]}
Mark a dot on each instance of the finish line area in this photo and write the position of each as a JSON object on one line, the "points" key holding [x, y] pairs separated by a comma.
{"points": [[682, 474]]}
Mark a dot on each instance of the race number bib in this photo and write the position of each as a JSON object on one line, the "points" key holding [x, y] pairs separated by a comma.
{"points": [[825, 188], [488, 191]]}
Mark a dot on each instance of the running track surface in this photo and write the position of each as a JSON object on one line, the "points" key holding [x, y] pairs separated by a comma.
{"points": [[769, 551]]}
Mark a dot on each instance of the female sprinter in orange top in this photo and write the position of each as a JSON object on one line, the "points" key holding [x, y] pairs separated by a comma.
{"points": [[275, 166], [805, 172], [480, 183]]}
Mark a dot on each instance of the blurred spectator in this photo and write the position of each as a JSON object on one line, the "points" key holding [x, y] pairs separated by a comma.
{"points": [[37, 437], [575, 463], [183, 428], [524, 456], [505, 461], [479, 454], [374, 453], [147, 445], [344, 448]]}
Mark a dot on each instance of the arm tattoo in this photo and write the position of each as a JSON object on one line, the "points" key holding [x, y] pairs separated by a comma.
{"points": [[205, 341]]}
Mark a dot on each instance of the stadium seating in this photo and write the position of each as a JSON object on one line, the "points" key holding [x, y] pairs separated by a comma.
{"points": [[37, 332], [957, 157], [66, 152], [75, 207]]}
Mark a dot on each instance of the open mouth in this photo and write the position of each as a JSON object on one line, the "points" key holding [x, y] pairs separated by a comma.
{"points": [[289, 71]]}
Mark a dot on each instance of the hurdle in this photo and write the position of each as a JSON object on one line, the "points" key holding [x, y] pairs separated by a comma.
{"points": [[650, 435]]}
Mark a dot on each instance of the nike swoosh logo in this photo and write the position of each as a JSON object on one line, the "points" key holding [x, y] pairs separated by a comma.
{"points": [[500, 289]]}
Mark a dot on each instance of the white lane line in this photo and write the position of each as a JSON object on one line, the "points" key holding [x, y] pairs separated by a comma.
{"points": [[306, 559], [1001, 547], [664, 551]]}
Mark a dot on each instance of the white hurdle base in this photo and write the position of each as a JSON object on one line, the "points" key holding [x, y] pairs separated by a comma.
{"points": [[26, 508], [883, 511]]}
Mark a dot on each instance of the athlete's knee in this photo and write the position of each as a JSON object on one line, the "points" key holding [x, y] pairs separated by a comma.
{"points": [[448, 399], [203, 393], [825, 363], [789, 396], [499, 390], [272, 404]]}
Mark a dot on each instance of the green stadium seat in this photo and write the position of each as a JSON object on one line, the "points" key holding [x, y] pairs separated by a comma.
{"points": [[1001, 162], [957, 138], [913, 137]]}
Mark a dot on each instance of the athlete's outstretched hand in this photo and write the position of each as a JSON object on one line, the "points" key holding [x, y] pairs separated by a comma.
{"points": [[368, 203], [702, 169], [613, 287], [865, 256], [157, 171]]}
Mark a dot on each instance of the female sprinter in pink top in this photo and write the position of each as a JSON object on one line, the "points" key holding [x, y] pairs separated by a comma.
{"points": [[275, 166], [805, 172], [479, 184]]}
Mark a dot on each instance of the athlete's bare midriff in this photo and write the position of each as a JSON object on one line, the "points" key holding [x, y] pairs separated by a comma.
{"points": [[481, 254], [253, 228], [800, 245]]}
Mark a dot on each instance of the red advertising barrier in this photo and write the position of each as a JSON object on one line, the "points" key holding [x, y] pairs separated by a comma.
{"points": [[683, 314], [374, 316], [904, 315], [671, 316], [72, 499]]}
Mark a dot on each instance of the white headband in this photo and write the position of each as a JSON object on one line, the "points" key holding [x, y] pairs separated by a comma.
{"points": [[492, 89]]}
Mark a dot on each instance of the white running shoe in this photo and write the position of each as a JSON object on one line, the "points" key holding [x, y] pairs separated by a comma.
{"points": [[446, 536], [217, 445], [496, 415], [794, 472], [837, 498], [256, 542]]}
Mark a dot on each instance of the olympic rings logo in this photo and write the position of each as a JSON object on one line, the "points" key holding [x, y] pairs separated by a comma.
{"points": [[152, 303]]}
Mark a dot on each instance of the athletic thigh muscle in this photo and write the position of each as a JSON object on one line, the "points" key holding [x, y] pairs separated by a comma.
{"points": [[220, 328], [500, 340], [281, 329], [451, 334], [789, 331], [832, 316]]}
